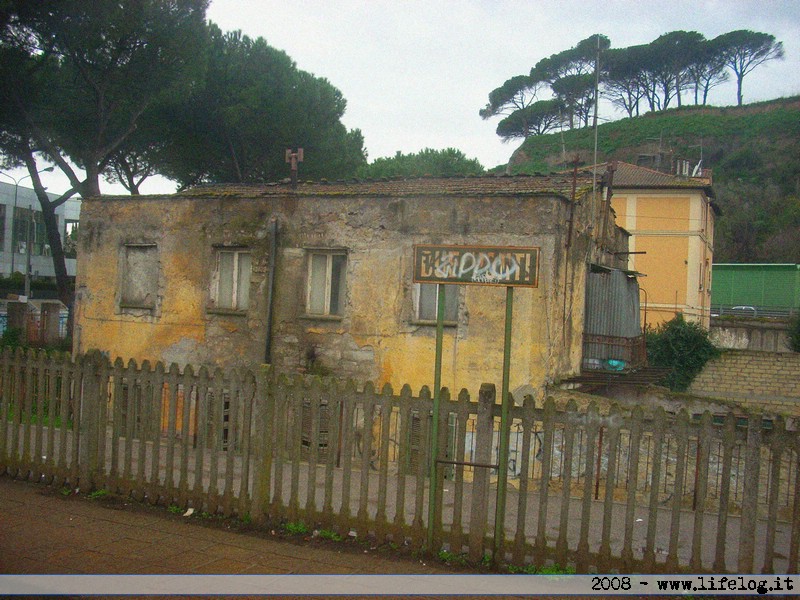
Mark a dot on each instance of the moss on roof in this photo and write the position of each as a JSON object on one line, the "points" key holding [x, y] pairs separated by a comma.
{"points": [[514, 185]]}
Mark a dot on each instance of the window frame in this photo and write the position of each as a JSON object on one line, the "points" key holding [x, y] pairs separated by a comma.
{"points": [[448, 322], [329, 254], [235, 281]]}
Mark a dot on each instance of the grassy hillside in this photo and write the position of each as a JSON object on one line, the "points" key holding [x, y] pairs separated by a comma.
{"points": [[754, 152]]}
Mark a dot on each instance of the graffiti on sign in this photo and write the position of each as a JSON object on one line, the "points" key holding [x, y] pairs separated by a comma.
{"points": [[478, 265]]}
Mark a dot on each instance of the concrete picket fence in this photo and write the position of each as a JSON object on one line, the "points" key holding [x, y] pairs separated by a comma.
{"points": [[628, 490]]}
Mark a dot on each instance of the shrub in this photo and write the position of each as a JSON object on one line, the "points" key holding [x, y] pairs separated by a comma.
{"points": [[683, 347]]}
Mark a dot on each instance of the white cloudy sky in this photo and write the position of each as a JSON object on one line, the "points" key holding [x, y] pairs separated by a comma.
{"points": [[415, 73]]}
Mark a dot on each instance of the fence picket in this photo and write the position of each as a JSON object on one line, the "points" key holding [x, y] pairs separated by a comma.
{"points": [[386, 408], [704, 440], [314, 399], [547, 448], [461, 409], [200, 439], [569, 433], [348, 395], [776, 446], [5, 404], [682, 440], [231, 439], [424, 414], [187, 387], [41, 402], [479, 513], [335, 408], [246, 436], [592, 429], [729, 445], [747, 527], [519, 548], [403, 457], [296, 397], [659, 427]]}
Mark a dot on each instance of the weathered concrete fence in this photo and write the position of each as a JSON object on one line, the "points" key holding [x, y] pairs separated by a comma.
{"points": [[629, 490]]}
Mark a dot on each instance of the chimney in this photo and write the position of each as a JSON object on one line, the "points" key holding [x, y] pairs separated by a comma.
{"points": [[293, 158]]}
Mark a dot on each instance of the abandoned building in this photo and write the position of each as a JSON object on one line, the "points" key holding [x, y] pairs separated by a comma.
{"points": [[319, 278]]}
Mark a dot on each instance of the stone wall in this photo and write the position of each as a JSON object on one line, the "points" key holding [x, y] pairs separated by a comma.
{"points": [[750, 334], [767, 379]]}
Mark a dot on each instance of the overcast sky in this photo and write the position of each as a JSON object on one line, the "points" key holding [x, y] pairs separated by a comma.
{"points": [[415, 73]]}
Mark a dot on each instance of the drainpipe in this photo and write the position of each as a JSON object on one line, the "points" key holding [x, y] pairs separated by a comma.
{"points": [[273, 253]]}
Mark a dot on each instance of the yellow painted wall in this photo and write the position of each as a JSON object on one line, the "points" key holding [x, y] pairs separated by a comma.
{"points": [[675, 231]]}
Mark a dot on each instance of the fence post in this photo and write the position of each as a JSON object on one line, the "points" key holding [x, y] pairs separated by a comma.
{"points": [[89, 419], [480, 480], [263, 429]]}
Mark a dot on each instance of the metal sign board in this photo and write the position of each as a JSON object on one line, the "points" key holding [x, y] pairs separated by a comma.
{"points": [[477, 265]]}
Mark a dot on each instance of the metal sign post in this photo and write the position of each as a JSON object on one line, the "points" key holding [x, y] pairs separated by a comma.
{"points": [[474, 265], [437, 392], [502, 459]]}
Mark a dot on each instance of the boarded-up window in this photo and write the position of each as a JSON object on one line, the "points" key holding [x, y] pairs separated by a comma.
{"points": [[139, 276]]}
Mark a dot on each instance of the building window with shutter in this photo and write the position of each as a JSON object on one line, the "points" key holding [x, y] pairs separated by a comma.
{"points": [[426, 302], [326, 283], [230, 285]]}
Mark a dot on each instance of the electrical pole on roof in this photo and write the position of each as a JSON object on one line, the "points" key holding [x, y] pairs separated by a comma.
{"points": [[293, 158]]}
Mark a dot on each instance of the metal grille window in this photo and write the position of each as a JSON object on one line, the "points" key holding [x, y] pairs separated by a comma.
{"points": [[326, 283], [231, 283], [427, 298]]}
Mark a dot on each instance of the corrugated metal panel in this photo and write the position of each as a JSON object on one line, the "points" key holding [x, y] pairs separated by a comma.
{"points": [[611, 327], [612, 304]]}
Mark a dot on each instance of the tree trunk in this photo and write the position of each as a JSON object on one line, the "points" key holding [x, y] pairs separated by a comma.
{"points": [[739, 89], [65, 292]]}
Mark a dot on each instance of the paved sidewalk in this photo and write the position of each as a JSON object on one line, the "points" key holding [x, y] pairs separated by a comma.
{"points": [[44, 532]]}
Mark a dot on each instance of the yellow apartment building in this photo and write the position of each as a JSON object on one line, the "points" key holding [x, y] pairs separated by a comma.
{"points": [[671, 222]]}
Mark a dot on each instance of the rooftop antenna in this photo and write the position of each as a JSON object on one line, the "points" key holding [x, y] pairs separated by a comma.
{"points": [[698, 167], [293, 158]]}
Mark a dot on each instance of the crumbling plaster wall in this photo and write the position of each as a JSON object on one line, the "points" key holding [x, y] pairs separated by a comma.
{"points": [[377, 338]]}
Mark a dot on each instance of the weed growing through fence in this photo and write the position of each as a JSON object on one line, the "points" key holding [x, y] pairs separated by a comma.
{"points": [[65, 491], [523, 570], [531, 569], [452, 558], [97, 494], [174, 509], [327, 534], [295, 528], [246, 519]]}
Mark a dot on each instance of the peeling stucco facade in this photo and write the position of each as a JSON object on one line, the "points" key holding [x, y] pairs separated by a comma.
{"points": [[377, 336]]}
